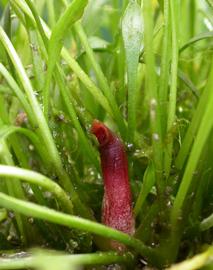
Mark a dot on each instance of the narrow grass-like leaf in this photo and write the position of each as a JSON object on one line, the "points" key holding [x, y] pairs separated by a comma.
{"points": [[14, 86], [15, 189], [6, 131], [152, 94], [44, 130], [30, 10], [188, 83], [199, 261], [102, 79], [37, 60], [13, 173], [207, 223], [36, 211], [22, 5], [132, 29], [93, 89], [51, 12], [165, 67], [46, 33], [205, 127], [206, 35], [148, 183], [3, 214], [192, 129], [42, 258], [73, 13], [35, 106], [86, 146], [173, 86], [5, 90], [65, 94]]}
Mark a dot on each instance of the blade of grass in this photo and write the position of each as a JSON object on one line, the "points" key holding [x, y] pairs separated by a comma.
{"points": [[14, 86], [40, 212], [73, 13], [3, 214], [38, 65], [84, 78], [151, 92], [165, 68], [51, 13], [59, 76], [87, 148], [35, 106], [102, 79], [13, 173], [173, 87], [147, 184], [188, 83], [41, 258], [16, 145], [192, 129], [6, 18], [197, 262], [132, 29], [13, 189], [89, 151], [207, 223], [200, 139], [206, 35], [43, 128], [6, 131], [46, 33]]}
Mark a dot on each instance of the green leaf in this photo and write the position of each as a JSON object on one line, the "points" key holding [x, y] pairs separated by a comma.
{"points": [[6, 131], [73, 13], [205, 127], [3, 214], [52, 259], [207, 223], [148, 183], [188, 83], [195, 39], [13, 173], [71, 221], [132, 29], [97, 43], [18, 92]]}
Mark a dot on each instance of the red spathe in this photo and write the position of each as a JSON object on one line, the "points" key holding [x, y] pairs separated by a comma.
{"points": [[117, 202]]}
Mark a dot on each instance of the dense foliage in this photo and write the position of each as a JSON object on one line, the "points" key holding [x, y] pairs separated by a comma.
{"points": [[145, 69]]}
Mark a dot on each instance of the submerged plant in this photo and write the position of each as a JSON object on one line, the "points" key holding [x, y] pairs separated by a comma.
{"points": [[144, 69]]}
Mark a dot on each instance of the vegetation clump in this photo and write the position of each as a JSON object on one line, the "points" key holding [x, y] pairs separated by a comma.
{"points": [[145, 70]]}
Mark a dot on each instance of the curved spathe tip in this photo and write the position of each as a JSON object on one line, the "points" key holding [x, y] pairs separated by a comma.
{"points": [[101, 132]]}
